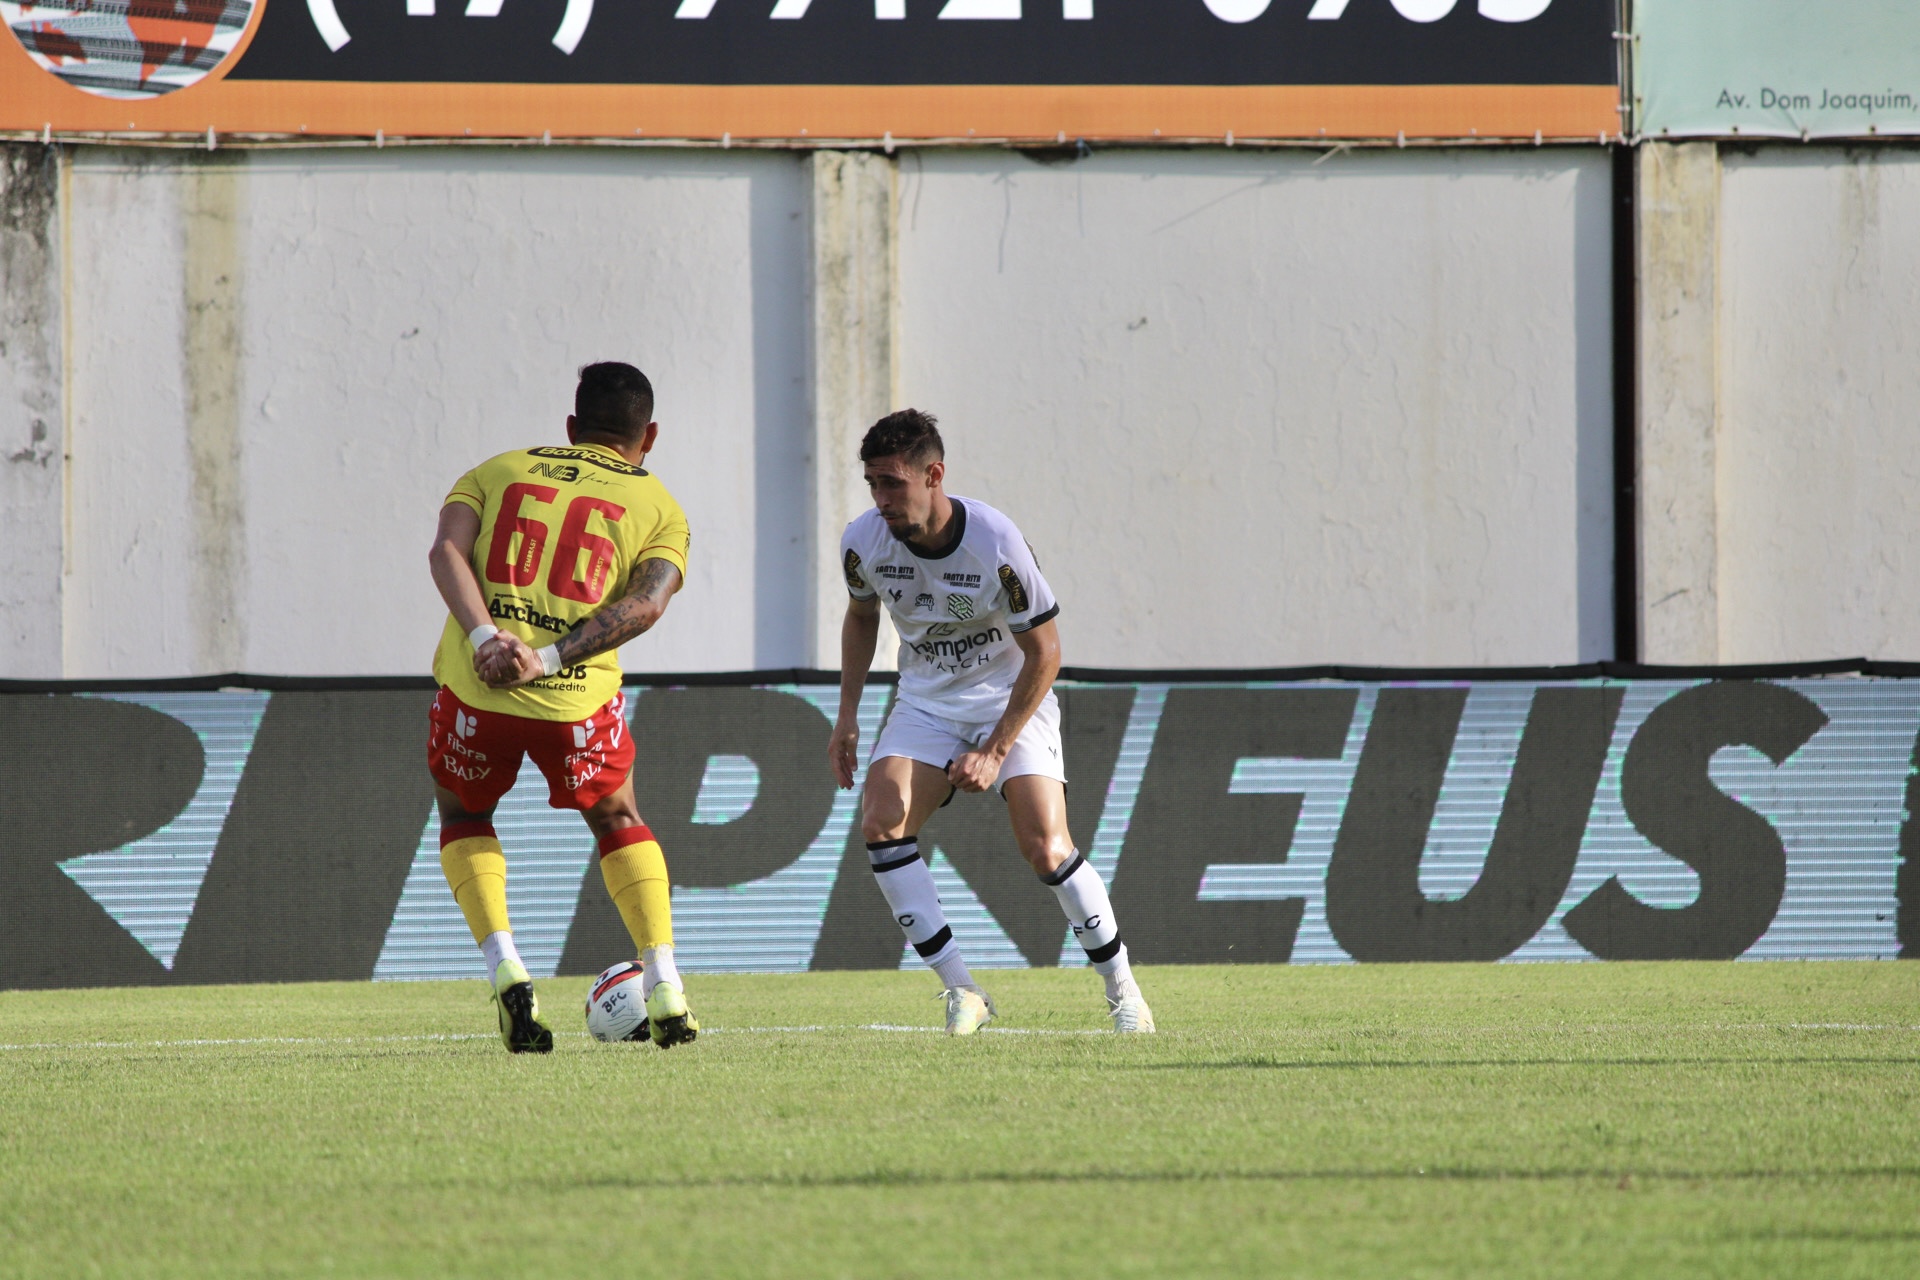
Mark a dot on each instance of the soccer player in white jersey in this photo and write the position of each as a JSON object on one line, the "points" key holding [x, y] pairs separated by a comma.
{"points": [[978, 654]]}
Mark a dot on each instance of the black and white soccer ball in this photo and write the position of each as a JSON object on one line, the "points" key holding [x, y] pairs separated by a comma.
{"points": [[615, 1009]]}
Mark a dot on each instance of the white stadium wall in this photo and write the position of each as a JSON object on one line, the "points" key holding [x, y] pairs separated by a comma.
{"points": [[32, 360], [1281, 408], [1367, 415], [282, 360], [1252, 408], [1820, 370], [1779, 316]]}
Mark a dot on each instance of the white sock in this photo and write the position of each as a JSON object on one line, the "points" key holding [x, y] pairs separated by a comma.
{"points": [[657, 967], [1083, 896], [906, 882], [497, 947], [952, 970]]}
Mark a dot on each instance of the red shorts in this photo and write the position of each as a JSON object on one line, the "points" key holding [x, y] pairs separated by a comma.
{"points": [[476, 754]]}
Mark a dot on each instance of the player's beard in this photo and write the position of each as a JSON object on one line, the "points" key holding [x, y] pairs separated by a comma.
{"points": [[905, 532]]}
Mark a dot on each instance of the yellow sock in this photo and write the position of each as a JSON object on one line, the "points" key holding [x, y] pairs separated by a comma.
{"points": [[636, 874], [476, 871]]}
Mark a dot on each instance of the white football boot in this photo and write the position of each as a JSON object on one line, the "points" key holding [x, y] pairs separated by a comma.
{"points": [[1130, 1013], [968, 1009]]}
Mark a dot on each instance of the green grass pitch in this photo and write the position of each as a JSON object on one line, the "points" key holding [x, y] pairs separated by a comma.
{"points": [[1577, 1120]]}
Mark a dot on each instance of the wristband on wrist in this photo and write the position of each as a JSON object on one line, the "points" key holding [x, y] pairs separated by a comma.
{"points": [[549, 659], [481, 634]]}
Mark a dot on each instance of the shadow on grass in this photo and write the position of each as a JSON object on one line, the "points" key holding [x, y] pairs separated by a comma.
{"points": [[1829, 1235], [1440, 1064], [1620, 1178]]}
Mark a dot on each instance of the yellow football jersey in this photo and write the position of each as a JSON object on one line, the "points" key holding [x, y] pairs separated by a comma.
{"points": [[561, 530]]}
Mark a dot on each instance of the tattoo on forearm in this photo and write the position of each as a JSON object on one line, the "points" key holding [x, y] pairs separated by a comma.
{"points": [[631, 615]]}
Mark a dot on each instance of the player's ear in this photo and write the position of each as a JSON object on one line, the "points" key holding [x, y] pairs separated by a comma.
{"points": [[936, 472], [573, 430], [648, 436]]}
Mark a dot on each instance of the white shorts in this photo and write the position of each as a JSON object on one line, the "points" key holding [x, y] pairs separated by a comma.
{"points": [[930, 739]]}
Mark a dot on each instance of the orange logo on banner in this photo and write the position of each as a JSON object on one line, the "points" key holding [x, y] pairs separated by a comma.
{"points": [[129, 49]]}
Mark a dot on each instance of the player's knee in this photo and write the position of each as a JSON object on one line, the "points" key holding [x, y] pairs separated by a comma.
{"points": [[1046, 853], [615, 813], [883, 817]]}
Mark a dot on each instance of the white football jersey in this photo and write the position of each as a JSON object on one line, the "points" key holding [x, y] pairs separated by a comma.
{"points": [[958, 612]]}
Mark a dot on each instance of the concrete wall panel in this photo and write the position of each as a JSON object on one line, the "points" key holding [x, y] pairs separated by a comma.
{"points": [[32, 414], [1819, 450], [399, 318], [1255, 409], [1349, 410], [131, 609], [1252, 408], [1678, 429]]}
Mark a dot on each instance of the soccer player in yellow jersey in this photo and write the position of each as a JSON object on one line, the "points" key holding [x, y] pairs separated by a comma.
{"points": [[549, 559]]}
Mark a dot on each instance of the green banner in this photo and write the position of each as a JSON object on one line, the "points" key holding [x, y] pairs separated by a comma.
{"points": [[1776, 68]]}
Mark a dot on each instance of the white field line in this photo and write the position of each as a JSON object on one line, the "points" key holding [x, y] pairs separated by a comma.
{"points": [[985, 1031], [488, 1035], [186, 1044], [821, 1029]]}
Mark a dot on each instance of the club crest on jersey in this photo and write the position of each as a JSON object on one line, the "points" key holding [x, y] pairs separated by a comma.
{"points": [[1016, 589], [854, 581], [960, 606]]}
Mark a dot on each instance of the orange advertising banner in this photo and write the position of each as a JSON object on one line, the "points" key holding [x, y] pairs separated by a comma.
{"points": [[812, 70]]}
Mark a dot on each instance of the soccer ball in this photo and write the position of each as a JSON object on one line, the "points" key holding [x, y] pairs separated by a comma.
{"points": [[615, 1010]]}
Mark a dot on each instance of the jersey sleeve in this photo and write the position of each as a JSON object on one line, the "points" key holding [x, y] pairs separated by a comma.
{"points": [[856, 573], [467, 490], [669, 540], [1030, 600]]}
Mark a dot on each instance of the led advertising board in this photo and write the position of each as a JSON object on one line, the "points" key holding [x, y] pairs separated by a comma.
{"points": [[148, 834]]}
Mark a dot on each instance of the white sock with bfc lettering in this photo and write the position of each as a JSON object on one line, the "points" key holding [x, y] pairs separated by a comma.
{"points": [[906, 881], [1083, 896]]}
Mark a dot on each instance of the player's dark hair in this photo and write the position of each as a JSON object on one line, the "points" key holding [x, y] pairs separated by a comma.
{"points": [[905, 433], [613, 399]]}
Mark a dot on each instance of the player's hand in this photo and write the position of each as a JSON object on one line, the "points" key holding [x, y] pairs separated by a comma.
{"points": [[843, 753], [530, 669], [488, 659], [975, 770], [527, 667], [492, 660], [509, 662]]}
